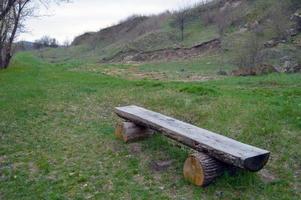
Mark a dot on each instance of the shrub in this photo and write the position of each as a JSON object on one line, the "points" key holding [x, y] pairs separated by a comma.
{"points": [[248, 51], [278, 21]]}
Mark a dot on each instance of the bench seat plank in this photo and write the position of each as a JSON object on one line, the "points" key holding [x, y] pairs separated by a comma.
{"points": [[220, 147]]}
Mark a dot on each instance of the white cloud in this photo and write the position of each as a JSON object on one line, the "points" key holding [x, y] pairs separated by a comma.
{"points": [[65, 21]]}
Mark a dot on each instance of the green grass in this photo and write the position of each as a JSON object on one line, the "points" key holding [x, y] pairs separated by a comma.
{"points": [[196, 69], [57, 124], [207, 65], [196, 33]]}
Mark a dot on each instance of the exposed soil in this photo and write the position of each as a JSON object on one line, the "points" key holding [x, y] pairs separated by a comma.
{"points": [[166, 54], [133, 73], [2, 159], [33, 169], [135, 148], [297, 176], [160, 165], [267, 177]]}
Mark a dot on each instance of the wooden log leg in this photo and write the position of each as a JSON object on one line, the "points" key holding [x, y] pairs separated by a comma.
{"points": [[201, 169], [130, 132]]}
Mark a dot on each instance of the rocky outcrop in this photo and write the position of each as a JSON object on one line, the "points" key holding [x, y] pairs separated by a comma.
{"points": [[297, 18], [291, 67], [288, 67], [271, 43]]}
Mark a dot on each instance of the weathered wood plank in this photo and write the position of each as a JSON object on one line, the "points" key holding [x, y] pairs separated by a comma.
{"points": [[220, 147]]}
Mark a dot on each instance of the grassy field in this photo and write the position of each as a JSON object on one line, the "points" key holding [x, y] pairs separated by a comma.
{"points": [[189, 70], [57, 124]]}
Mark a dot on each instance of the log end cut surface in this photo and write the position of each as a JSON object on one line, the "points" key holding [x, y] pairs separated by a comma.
{"points": [[201, 169]]}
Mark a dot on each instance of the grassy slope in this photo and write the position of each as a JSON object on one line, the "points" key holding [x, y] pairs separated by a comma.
{"points": [[57, 143], [164, 37], [161, 34]]}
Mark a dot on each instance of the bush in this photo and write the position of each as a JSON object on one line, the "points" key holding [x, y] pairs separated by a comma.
{"points": [[248, 51], [278, 22]]}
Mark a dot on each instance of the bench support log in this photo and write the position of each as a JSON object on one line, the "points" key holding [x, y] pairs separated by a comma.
{"points": [[130, 132], [201, 169]]}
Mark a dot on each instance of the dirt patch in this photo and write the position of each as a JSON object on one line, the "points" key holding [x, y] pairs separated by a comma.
{"points": [[33, 169], [166, 54], [267, 177], [2, 159], [135, 148], [133, 73], [117, 147], [199, 78], [139, 179], [52, 176], [108, 186], [297, 176], [162, 165]]}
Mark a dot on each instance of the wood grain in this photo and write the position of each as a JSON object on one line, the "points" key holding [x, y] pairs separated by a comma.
{"points": [[201, 169], [130, 132], [220, 147]]}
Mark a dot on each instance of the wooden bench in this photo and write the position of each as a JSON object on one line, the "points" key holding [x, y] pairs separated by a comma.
{"points": [[214, 150]]}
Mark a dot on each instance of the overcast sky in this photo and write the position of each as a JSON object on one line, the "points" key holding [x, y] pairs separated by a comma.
{"points": [[65, 21]]}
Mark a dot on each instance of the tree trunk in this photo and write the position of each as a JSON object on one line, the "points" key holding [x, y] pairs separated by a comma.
{"points": [[201, 169], [6, 9], [7, 60], [2, 52], [182, 30], [130, 132], [8, 48], [182, 35], [1, 65]]}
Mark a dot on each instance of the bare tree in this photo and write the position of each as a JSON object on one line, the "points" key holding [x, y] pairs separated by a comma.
{"points": [[66, 43], [45, 42], [279, 22], [230, 15], [13, 13], [248, 51], [10, 24], [222, 20], [181, 19], [5, 7]]}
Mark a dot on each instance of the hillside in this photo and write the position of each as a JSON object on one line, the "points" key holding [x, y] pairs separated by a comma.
{"points": [[230, 21]]}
